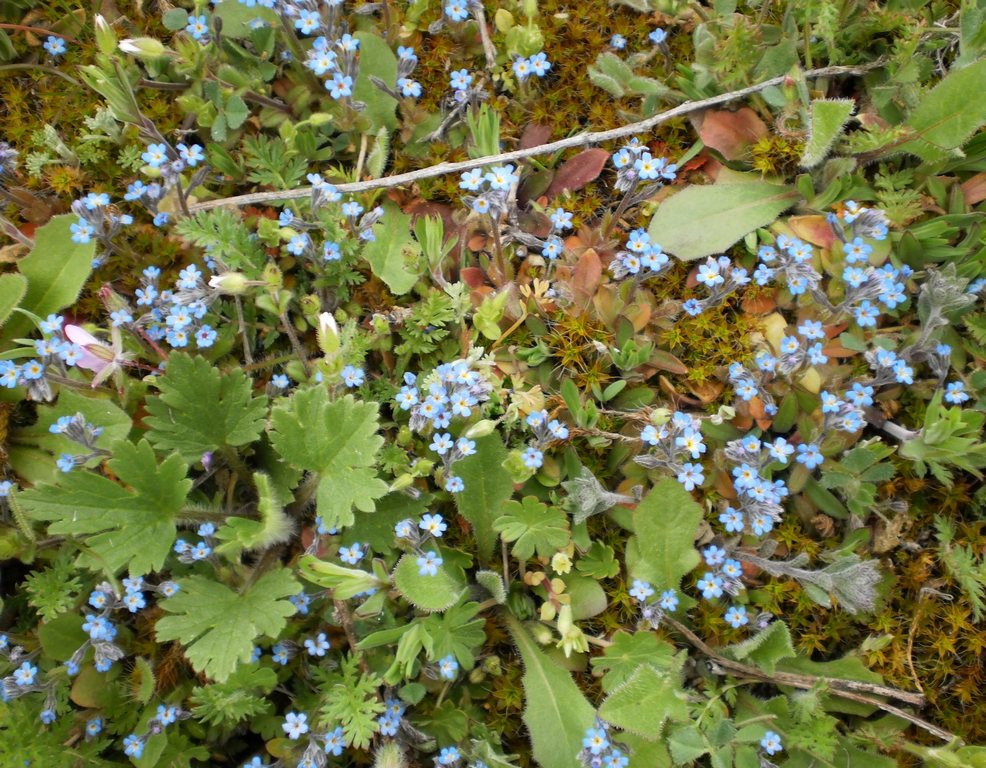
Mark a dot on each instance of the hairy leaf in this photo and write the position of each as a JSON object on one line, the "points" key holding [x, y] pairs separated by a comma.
{"points": [[430, 593], [947, 117], [534, 527], [765, 648], [394, 254], [219, 626], [12, 290], [376, 60], [556, 713], [201, 409], [56, 269], [627, 653], [665, 523], [339, 441], [133, 525], [701, 221], [488, 487], [828, 118], [645, 701]]}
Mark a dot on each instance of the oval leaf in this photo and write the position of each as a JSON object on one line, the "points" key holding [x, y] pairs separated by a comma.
{"points": [[701, 221]]}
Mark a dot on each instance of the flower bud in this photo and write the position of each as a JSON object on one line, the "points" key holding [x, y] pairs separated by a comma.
{"points": [[481, 429], [233, 283], [328, 335], [143, 47], [105, 36]]}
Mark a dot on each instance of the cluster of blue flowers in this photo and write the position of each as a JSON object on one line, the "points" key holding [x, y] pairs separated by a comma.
{"points": [[652, 611], [407, 62], [598, 751], [80, 431], [174, 315], [167, 714], [641, 259], [672, 443], [454, 390], [495, 187], [193, 553], [537, 65], [430, 526], [393, 715], [333, 742], [721, 277], [545, 431], [635, 164]]}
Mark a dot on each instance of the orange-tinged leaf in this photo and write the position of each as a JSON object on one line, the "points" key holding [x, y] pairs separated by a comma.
{"points": [[731, 133], [813, 229], [585, 281]]}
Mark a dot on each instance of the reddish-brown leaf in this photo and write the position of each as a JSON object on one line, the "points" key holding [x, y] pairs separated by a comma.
{"points": [[665, 361], [731, 133], [534, 135], [579, 171], [472, 276], [585, 281], [974, 189]]}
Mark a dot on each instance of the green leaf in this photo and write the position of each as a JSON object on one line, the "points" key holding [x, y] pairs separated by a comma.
{"points": [[458, 633], [97, 410], [244, 695], [202, 409], [133, 525], [273, 527], [62, 637], [393, 255], [219, 626], [687, 744], [556, 713], [376, 60], [492, 582], [339, 441], [587, 596], [236, 111], [488, 486], [599, 562], [627, 653], [12, 290], [175, 19], [56, 269], [665, 523], [702, 220], [236, 18], [643, 703], [353, 702], [766, 648], [947, 117], [828, 118], [534, 527], [430, 593]]}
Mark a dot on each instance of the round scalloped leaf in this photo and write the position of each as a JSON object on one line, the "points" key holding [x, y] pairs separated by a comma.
{"points": [[429, 593]]}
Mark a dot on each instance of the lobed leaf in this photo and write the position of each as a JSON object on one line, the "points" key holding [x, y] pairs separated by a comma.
{"points": [[201, 409], [219, 626], [123, 526]]}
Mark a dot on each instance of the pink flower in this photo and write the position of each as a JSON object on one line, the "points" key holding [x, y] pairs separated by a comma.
{"points": [[95, 355]]}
